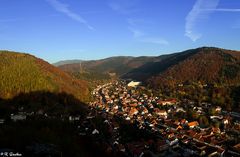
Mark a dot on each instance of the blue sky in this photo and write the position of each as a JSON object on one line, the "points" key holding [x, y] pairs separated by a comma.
{"points": [[92, 29]]}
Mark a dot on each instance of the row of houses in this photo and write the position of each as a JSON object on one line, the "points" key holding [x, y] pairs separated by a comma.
{"points": [[153, 113]]}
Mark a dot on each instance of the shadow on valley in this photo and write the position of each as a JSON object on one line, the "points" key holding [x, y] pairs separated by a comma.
{"points": [[37, 124], [45, 124], [57, 124], [42, 102]]}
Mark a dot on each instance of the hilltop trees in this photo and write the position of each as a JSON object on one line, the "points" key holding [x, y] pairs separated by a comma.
{"points": [[23, 73]]}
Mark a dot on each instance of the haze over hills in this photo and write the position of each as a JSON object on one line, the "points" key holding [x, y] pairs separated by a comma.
{"points": [[67, 62], [24, 73]]}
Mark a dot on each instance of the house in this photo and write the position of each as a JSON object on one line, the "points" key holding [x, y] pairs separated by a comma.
{"points": [[193, 124], [171, 135], [215, 130], [133, 111], [225, 121], [121, 148], [192, 133], [95, 131], [115, 107], [74, 118], [115, 143], [162, 113], [2, 121], [180, 109], [218, 109], [40, 112], [180, 85], [173, 142], [179, 127], [128, 118], [167, 102], [133, 105], [144, 111], [183, 121], [106, 121], [154, 122], [176, 122], [133, 84], [18, 117]]}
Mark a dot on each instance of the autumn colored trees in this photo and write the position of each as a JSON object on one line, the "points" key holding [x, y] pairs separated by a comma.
{"points": [[23, 73]]}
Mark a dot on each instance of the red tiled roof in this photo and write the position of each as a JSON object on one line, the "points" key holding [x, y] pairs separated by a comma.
{"points": [[194, 123], [133, 111]]}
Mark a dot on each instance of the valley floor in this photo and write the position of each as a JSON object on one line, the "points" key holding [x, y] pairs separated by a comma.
{"points": [[173, 133], [121, 121]]}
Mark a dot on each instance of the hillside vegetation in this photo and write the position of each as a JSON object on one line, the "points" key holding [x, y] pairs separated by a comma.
{"points": [[23, 73], [116, 65], [204, 75], [207, 65]]}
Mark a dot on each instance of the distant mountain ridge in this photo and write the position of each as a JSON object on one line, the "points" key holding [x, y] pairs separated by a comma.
{"points": [[24, 73], [206, 64], [118, 65], [67, 62]]}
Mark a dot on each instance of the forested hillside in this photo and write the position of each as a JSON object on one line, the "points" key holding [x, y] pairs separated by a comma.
{"points": [[206, 64], [23, 73]]}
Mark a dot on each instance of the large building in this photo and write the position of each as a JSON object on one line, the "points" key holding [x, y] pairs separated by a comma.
{"points": [[133, 84]]}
